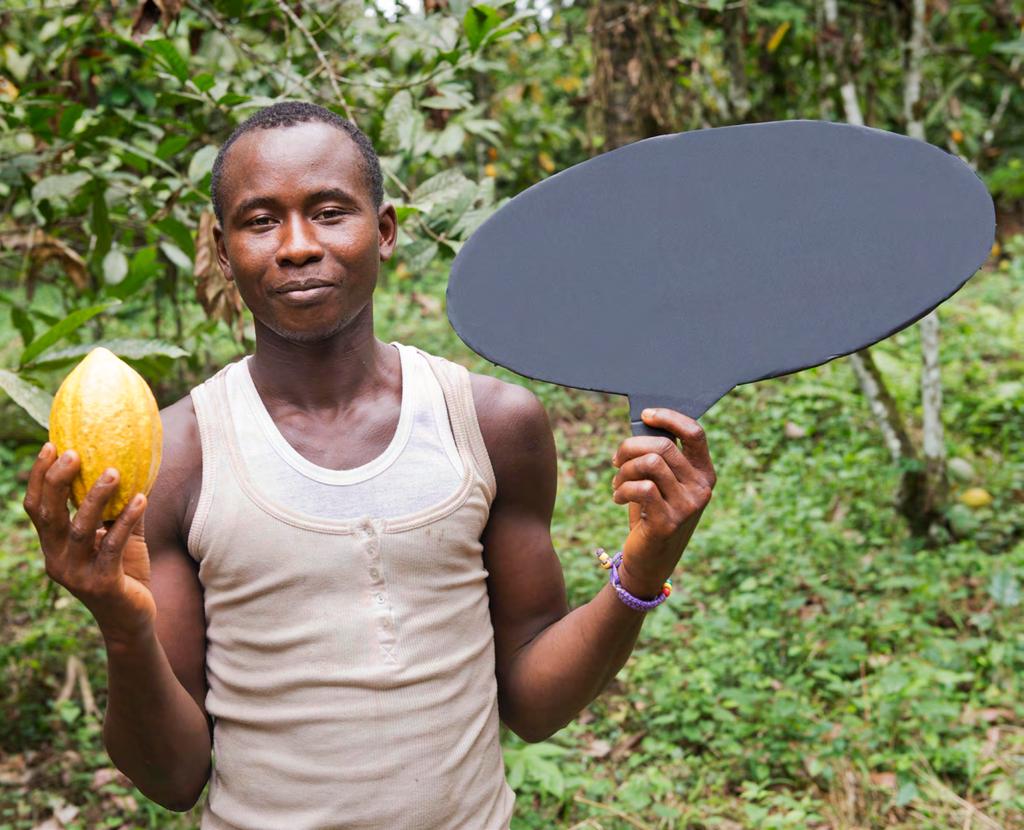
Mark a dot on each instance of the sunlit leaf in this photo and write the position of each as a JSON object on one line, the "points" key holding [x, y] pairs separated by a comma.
{"points": [[35, 401], [62, 329]]}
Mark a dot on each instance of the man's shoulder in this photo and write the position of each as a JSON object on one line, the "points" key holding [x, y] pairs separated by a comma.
{"points": [[515, 429]]}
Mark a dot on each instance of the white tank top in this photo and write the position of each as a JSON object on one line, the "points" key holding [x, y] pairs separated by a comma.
{"points": [[409, 475]]}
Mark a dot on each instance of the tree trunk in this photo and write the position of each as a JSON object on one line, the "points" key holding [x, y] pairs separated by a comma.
{"points": [[923, 485], [634, 64], [927, 501]]}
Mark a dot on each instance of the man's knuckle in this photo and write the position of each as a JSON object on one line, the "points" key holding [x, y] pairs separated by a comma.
{"points": [[78, 534]]}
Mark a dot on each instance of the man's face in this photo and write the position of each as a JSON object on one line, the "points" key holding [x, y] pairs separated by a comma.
{"points": [[301, 237]]}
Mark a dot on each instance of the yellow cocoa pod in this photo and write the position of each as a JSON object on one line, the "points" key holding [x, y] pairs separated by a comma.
{"points": [[976, 497], [105, 412]]}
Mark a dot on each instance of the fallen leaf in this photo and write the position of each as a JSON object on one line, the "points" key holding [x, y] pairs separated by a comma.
{"points": [[886, 780], [125, 803], [837, 511], [430, 306], [109, 775], [13, 771], [626, 745], [66, 814], [598, 749], [794, 431], [988, 749]]}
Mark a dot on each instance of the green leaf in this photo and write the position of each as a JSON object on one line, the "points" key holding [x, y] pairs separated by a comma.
{"points": [[444, 101], [447, 186], [143, 267], [115, 266], [69, 118], [204, 81], [23, 323], [231, 99], [1004, 588], [401, 121], [62, 186], [180, 259], [31, 398], [419, 253], [1010, 47], [202, 162], [181, 235], [171, 145], [449, 141], [126, 347], [479, 20], [403, 212], [56, 333], [168, 56]]}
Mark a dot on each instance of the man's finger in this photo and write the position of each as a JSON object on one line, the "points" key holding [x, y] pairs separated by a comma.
{"points": [[53, 507], [109, 555], [654, 467], [690, 433], [640, 445], [82, 530], [34, 491]]}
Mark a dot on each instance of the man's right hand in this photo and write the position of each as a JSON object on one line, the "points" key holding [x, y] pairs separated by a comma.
{"points": [[105, 565]]}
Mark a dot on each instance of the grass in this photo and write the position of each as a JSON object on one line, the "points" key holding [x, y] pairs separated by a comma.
{"points": [[815, 667]]}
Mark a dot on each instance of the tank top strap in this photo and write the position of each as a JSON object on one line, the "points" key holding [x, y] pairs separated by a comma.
{"points": [[212, 419], [458, 394]]}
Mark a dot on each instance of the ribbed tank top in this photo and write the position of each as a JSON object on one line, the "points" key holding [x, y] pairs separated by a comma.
{"points": [[408, 476], [350, 661]]}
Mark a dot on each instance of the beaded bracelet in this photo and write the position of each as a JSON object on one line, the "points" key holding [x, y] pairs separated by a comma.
{"points": [[633, 602]]}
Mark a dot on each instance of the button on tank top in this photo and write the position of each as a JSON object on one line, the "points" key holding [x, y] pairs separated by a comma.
{"points": [[350, 653]]}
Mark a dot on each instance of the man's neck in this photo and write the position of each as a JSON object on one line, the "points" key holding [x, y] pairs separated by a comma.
{"points": [[327, 374]]}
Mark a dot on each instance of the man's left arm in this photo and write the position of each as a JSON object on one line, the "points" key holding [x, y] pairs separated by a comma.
{"points": [[552, 662]]}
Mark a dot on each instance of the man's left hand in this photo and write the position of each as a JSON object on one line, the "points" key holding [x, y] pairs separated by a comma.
{"points": [[667, 489]]}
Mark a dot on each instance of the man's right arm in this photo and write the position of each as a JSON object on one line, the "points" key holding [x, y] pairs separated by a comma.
{"points": [[156, 730]]}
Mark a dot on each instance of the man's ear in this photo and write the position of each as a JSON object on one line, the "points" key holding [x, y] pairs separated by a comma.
{"points": [[387, 224], [222, 252]]}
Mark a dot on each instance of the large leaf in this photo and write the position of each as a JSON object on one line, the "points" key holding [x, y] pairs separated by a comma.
{"points": [[62, 186], [168, 55], [1004, 588], [446, 187], [402, 122], [126, 347], [202, 162], [62, 329], [478, 22], [32, 399]]}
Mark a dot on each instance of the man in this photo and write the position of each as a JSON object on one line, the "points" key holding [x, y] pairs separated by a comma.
{"points": [[346, 573]]}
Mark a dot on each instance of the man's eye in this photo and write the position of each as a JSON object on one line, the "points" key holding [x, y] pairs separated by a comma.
{"points": [[330, 213], [261, 220]]}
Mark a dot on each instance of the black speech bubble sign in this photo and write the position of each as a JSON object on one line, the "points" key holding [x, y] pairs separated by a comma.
{"points": [[675, 268]]}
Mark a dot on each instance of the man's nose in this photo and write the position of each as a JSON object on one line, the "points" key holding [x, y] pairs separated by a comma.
{"points": [[299, 243]]}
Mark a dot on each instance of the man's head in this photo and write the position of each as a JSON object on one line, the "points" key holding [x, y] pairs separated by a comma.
{"points": [[289, 114], [302, 226]]}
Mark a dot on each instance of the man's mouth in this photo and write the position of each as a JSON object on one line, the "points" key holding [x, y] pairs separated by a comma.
{"points": [[297, 292]]}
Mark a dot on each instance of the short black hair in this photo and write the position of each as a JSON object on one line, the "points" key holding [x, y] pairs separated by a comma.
{"points": [[289, 114]]}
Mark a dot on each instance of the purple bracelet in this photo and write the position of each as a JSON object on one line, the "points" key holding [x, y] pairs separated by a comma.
{"points": [[633, 602]]}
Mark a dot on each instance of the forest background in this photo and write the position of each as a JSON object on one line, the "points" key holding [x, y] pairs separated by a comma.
{"points": [[845, 646]]}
